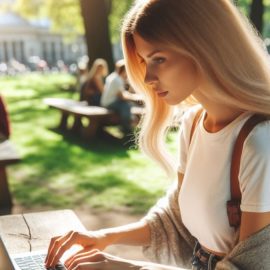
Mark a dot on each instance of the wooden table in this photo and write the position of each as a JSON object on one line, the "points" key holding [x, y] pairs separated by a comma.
{"points": [[33, 231], [8, 156]]}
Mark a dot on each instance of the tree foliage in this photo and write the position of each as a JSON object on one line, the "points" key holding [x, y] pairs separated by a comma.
{"points": [[65, 15], [119, 8], [66, 18], [259, 13]]}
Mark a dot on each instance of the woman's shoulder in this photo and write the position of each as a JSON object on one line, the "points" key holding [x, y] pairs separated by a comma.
{"points": [[258, 139]]}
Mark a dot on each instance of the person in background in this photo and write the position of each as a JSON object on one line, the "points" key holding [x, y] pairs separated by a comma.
{"points": [[116, 98], [4, 121], [81, 72], [207, 52], [91, 90]]}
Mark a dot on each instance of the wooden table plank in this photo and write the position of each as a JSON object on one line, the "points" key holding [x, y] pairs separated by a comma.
{"points": [[14, 231], [33, 231]]}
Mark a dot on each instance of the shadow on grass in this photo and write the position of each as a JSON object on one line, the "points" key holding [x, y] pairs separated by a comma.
{"points": [[104, 143], [125, 193], [61, 170], [72, 172], [108, 191]]}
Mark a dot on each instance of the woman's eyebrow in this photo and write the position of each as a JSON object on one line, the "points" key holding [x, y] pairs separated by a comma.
{"points": [[152, 53], [149, 55]]}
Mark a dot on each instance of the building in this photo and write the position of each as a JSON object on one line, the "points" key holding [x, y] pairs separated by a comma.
{"points": [[22, 40]]}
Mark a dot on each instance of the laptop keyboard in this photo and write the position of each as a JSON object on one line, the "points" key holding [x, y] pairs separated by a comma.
{"points": [[35, 262]]}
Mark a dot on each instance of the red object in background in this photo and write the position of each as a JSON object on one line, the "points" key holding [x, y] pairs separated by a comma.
{"points": [[4, 119]]}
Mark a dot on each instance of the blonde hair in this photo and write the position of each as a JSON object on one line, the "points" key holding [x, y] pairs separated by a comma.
{"points": [[222, 43], [99, 62]]}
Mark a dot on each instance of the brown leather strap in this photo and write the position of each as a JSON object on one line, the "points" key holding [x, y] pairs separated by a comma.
{"points": [[195, 122], [237, 152], [233, 205]]}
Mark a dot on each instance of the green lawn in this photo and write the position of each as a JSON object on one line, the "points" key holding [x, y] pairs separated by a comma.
{"points": [[61, 171]]}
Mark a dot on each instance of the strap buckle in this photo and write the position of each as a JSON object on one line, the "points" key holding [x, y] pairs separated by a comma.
{"points": [[234, 213]]}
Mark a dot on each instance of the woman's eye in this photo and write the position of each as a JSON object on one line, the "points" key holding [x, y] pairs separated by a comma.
{"points": [[141, 61], [159, 60]]}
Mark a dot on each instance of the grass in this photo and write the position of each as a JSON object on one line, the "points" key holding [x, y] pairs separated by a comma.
{"points": [[59, 170]]}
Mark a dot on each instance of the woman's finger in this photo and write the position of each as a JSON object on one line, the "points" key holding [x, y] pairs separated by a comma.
{"points": [[60, 246], [90, 266], [82, 253], [91, 256], [52, 245]]}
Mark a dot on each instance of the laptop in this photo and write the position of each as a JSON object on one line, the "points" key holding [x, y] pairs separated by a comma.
{"points": [[24, 261]]}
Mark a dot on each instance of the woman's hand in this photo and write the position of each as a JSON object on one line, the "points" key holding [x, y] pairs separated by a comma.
{"points": [[88, 259], [90, 240]]}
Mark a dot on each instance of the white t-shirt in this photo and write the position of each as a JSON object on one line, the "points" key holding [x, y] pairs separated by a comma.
{"points": [[205, 163], [113, 85]]}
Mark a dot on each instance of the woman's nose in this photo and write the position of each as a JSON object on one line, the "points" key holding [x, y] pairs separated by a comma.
{"points": [[149, 77]]}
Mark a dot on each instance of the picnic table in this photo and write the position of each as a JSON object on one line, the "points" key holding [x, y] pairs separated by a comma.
{"points": [[33, 231], [8, 156], [97, 116]]}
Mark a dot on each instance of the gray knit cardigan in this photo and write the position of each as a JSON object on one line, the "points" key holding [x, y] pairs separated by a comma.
{"points": [[172, 244]]}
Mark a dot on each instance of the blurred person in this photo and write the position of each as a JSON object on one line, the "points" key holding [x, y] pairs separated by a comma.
{"points": [[116, 98], [81, 74], [4, 121], [93, 86], [205, 52]]}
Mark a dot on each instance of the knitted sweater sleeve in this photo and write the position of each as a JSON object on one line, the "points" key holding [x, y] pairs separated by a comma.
{"points": [[172, 244], [250, 254]]}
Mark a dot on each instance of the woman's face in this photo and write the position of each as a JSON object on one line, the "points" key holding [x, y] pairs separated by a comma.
{"points": [[172, 75], [101, 70]]}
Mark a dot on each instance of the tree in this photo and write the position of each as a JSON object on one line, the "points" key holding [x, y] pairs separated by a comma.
{"points": [[118, 10], [256, 14], [255, 10], [95, 17]]}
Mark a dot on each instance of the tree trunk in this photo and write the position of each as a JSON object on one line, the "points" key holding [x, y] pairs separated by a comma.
{"points": [[95, 16], [256, 14]]}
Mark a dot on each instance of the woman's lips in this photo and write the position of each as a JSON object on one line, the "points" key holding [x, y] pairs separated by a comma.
{"points": [[162, 94]]}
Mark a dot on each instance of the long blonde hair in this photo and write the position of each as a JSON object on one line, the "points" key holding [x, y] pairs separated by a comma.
{"points": [[99, 62], [223, 44]]}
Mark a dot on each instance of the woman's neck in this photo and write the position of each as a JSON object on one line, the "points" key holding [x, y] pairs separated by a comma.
{"points": [[217, 115], [218, 119]]}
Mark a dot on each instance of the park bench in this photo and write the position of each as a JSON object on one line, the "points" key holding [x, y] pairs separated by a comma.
{"points": [[97, 117]]}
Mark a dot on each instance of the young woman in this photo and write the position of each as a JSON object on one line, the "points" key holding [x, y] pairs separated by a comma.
{"points": [[204, 51], [92, 88]]}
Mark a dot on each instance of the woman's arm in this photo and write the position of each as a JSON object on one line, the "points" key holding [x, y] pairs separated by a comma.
{"points": [[99, 83], [132, 234], [252, 223], [135, 234], [93, 260]]}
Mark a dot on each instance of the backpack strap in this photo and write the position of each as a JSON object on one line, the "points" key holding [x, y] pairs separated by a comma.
{"points": [[233, 205]]}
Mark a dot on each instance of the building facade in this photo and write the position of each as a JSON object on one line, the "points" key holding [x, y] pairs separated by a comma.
{"points": [[20, 40]]}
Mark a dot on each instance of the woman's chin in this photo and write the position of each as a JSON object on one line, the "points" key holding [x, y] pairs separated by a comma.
{"points": [[172, 101]]}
